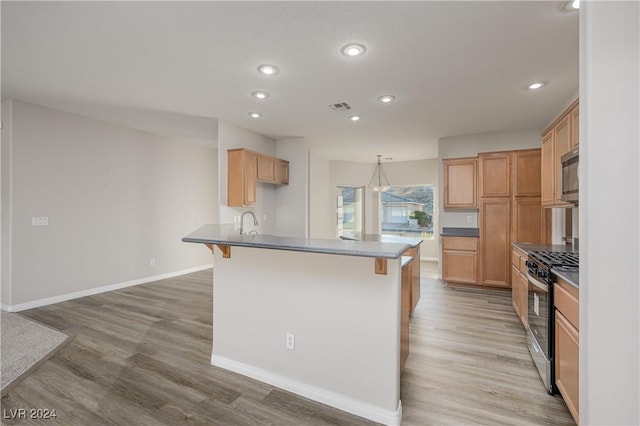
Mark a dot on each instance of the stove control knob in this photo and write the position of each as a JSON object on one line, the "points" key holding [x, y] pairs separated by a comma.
{"points": [[543, 274], [531, 264]]}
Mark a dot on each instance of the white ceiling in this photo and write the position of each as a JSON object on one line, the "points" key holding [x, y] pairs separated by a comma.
{"points": [[173, 68]]}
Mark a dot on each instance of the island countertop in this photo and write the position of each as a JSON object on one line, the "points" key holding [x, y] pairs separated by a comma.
{"points": [[412, 241], [225, 235]]}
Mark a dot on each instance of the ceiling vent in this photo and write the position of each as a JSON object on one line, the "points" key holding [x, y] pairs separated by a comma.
{"points": [[342, 106]]}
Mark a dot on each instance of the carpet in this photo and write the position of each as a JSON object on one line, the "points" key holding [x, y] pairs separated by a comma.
{"points": [[24, 345]]}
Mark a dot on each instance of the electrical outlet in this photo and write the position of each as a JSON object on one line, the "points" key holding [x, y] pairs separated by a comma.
{"points": [[469, 219], [40, 221], [152, 262], [291, 341], [264, 217]]}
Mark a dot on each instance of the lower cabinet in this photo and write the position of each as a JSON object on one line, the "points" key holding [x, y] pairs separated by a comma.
{"points": [[567, 343], [519, 284], [405, 302], [460, 260]]}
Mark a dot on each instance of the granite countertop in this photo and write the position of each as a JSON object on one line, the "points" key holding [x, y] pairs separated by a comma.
{"points": [[356, 236], [570, 276], [460, 232], [225, 234]]}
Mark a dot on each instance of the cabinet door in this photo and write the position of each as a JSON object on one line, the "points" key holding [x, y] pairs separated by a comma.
{"points": [[561, 145], [515, 290], [495, 245], [523, 294], [526, 221], [404, 315], [459, 266], [460, 183], [567, 363], [547, 170], [282, 172], [526, 173], [251, 173], [495, 174], [575, 126], [266, 168]]}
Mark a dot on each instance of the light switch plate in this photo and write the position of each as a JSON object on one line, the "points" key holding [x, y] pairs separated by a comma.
{"points": [[40, 221]]}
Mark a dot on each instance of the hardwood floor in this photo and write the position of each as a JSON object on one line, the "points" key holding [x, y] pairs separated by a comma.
{"points": [[141, 355]]}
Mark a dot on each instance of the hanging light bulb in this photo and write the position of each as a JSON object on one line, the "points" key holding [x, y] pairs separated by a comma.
{"points": [[379, 181]]}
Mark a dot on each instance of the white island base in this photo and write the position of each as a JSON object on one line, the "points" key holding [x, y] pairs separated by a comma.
{"points": [[345, 319]]}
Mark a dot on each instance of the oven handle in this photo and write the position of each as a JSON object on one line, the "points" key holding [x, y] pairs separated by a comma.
{"points": [[537, 283]]}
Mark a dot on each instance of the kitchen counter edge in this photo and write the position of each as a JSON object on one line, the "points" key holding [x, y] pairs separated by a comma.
{"points": [[225, 235]]}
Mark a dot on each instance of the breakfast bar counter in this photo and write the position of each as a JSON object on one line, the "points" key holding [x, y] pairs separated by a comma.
{"points": [[325, 319]]}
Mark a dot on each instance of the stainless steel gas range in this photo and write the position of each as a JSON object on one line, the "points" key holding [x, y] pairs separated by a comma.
{"points": [[541, 312]]}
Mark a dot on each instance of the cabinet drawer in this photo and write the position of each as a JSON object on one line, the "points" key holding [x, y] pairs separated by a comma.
{"points": [[460, 243], [523, 265], [515, 259], [567, 302]]}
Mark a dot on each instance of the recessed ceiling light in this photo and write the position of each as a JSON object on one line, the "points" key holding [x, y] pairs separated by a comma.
{"points": [[572, 5], [386, 99], [268, 69], [536, 86], [260, 95], [354, 117], [255, 115], [353, 49]]}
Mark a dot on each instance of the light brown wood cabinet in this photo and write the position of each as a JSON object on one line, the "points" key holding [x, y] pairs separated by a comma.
{"points": [[404, 314], [495, 242], [575, 126], [242, 168], [282, 171], [527, 220], [414, 295], [495, 174], [519, 284], [460, 183], [567, 341], [557, 140], [266, 168], [460, 260], [245, 168], [526, 173]]}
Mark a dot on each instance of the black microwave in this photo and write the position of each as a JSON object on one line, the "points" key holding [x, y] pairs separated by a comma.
{"points": [[570, 181]]}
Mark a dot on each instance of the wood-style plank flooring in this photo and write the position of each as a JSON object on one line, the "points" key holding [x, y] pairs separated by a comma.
{"points": [[141, 355]]}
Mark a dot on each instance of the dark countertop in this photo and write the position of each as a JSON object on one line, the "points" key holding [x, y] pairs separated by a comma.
{"points": [[224, 234], [460, 232], [355, 236], [572, 277]]}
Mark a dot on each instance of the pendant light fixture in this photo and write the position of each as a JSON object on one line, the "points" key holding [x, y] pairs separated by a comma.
{"points": [[379, 181]]}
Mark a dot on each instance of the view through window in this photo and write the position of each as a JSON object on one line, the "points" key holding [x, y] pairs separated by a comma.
{"points": [[408, 211], [350, 210]]}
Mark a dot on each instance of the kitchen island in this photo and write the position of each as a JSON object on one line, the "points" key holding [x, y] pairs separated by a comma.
{"points": [[325, 319]]}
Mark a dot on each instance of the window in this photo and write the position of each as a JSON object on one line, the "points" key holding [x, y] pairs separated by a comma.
{"points": [[407, 210], [350, 210]]}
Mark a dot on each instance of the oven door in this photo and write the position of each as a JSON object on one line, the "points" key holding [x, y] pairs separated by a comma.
{"points": [[540, 333], [538, 312]]}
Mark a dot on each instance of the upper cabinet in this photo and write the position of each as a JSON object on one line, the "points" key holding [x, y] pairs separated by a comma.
{"points": [[245, 169], [526, 173], [460, 183], [495, 174], [557, 140]]}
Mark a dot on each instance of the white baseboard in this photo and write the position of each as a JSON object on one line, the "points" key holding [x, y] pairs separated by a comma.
{"points": [[91, 291], [315, 393]]}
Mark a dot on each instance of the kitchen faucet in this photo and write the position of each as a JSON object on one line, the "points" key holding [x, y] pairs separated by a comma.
{"points": [[255, 220]]}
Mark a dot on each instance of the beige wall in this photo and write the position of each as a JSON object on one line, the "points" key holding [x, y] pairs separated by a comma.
{"points": [[322, 211], [115, 198], [292, 201]]}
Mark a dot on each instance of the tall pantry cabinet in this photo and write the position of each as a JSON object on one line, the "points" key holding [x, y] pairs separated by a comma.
{"points": [[509, 210]]}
